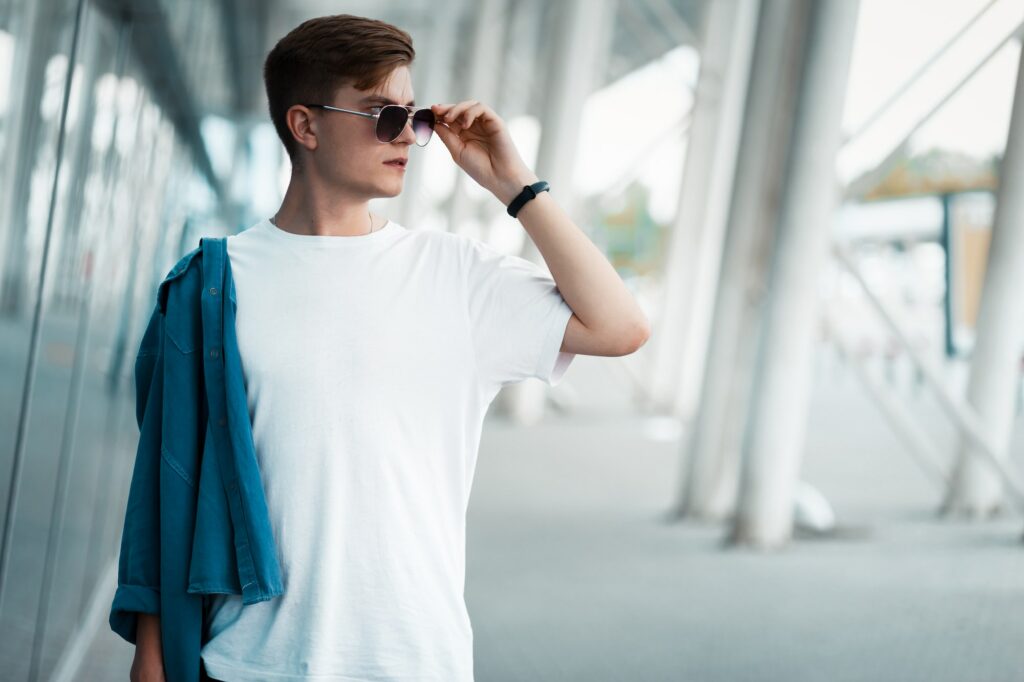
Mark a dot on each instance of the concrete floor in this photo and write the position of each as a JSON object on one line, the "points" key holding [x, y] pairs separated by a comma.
{"points": [[573, 575]]}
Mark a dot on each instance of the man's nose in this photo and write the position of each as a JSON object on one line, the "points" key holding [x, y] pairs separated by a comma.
{"points": [[408, 135]]}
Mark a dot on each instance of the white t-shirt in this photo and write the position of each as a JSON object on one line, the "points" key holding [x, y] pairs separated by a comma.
{"points": [[370, 362]]}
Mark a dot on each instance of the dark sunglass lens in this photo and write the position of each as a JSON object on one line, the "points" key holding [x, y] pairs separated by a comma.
{"points": [[423, 125], [391, 121]]}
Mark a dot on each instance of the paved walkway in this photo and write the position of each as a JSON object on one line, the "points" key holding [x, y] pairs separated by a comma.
{"points": [[573, 575]]}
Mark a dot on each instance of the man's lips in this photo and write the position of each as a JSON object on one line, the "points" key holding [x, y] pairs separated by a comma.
{"points": [[396, 162]]}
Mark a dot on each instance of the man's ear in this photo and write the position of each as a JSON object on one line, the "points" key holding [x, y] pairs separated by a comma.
{"points": [[302, 126]]}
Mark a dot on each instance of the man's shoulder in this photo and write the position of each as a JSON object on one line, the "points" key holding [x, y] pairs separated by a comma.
{"points": [[179, 274], [455, 241], [183, 263]]}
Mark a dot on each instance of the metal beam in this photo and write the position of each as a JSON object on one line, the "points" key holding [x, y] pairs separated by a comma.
{"points": [[964, 416]]}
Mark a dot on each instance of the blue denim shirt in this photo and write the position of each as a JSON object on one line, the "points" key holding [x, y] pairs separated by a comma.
{"points": [[196, 521]]}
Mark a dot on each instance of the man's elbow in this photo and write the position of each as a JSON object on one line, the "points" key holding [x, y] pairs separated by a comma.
{"points": [[637, 336]]}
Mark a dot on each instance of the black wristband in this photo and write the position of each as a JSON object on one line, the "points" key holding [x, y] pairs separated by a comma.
{"points": [[529, 192]]}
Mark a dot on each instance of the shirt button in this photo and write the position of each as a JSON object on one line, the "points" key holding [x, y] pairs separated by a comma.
{"points": [[214, 353], [222, 421], [213, 291]]}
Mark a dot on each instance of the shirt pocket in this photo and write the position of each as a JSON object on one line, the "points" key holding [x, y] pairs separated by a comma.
{"points": [[184, 327]]}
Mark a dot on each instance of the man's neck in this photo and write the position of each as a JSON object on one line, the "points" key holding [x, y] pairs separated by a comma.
{"points": [[311, 211]]}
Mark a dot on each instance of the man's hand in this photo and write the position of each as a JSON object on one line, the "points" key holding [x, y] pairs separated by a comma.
{"points": [[481, 145], [148, 665]]}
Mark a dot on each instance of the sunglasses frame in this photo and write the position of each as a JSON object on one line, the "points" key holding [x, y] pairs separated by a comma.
{"points": [[410, 111]]}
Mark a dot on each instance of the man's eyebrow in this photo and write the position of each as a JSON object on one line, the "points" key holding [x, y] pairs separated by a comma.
{"points": [[385, 100]]}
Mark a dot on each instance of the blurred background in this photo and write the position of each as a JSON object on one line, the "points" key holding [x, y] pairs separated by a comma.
{"points": [[812, 470]]}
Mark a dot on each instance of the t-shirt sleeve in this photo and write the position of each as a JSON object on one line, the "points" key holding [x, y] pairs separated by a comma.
{"points": [[517, 318]]}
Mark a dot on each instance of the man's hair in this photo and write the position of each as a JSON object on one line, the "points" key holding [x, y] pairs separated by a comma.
{"points": [[320, 55]]}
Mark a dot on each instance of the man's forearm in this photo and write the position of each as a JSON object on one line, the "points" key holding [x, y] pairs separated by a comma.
{"points": [[148, 665], [585, 278], [147, 634]]}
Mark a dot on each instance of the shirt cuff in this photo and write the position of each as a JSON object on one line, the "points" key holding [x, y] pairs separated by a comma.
{"points": [[553, 362]]}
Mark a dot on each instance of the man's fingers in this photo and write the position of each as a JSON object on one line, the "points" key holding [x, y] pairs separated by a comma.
{"points": [[471, 114], [450, 139], [456, 111]]}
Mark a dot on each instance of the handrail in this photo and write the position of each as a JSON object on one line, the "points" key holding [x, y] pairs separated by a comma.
{"points": [[916, 438], [963, 414]]}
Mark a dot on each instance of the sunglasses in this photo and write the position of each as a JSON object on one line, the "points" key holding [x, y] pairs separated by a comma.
{"points": [[391, 120]]}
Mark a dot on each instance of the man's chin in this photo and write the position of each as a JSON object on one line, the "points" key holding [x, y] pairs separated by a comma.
{"points": [[391, 190]]}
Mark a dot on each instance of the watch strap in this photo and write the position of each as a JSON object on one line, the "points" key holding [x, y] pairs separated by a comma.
{"points": [[529, 192]]}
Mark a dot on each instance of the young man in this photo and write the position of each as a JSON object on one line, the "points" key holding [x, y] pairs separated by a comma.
{"points": [[371, 353]]}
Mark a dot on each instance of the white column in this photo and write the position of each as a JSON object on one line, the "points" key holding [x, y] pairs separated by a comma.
{"points": [[582, 41], [698, 231], [781, 394], [713, 440], [481, 83], [432, 71], [519, 92], [976, 490]]}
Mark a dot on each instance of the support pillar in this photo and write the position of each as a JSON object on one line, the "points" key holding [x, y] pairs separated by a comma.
{"points": [[431, 70], [695, 240], [713, 441], [581, 38], [976, 490], [781, 395], [481, 83]]}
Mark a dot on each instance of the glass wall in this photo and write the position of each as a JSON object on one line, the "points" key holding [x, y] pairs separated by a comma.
{"points": [[101, 191]]}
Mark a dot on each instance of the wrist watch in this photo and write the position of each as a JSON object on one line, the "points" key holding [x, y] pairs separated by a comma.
{"points": [[529, 192]]}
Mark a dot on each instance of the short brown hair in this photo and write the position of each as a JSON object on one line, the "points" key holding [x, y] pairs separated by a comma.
{"points": [[321, 55]]}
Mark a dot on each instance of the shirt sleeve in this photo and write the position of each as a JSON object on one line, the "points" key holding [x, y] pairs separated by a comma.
{"points": [[517, 318], [138, 569]]}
